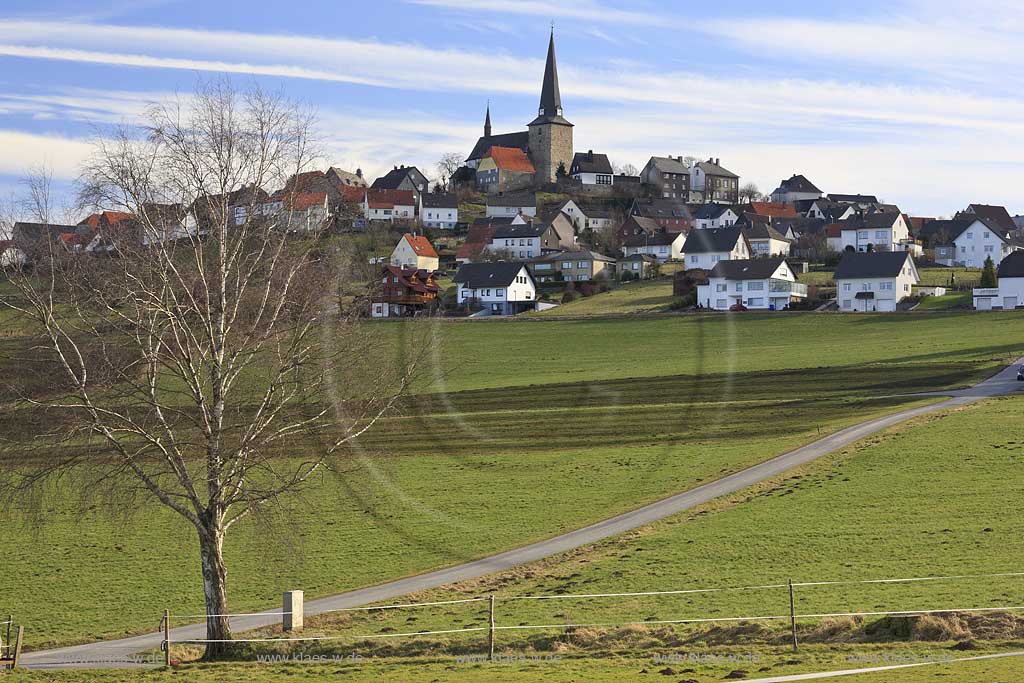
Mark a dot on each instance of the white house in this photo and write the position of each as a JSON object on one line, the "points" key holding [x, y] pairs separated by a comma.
{"points": [[705, 248], [512, 204], [977, 241], [583, 216], [796, 189], [414, 251], [766, 284], [874, 232], [502, 288], [389, 205], [766, 240], [710, 216], [592, 169], [827, 210], [874, 281], [439, 211], [664, 246], [1010, 292]]}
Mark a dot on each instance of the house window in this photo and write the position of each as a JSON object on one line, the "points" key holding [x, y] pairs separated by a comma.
{"points": [[847, 303], [755, 302], [970, 235], [739, 286], [604, 180], [988, 248], [721, 288], [716, 258], [566, 265], [755, 286], [582, 264], [499, 292], [568, 278], [694, 259]]}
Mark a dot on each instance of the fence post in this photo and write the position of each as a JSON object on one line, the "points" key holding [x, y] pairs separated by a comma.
{"points": [[17, 648], [10, 620], [167, 638], [292, 611], [792, 615], [490, 632]]}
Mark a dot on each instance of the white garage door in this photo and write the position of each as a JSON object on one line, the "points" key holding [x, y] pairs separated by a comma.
{"points": [[1009, 303], [887, 305], [984, 304]]}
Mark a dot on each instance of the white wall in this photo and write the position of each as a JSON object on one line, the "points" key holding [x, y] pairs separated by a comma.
{"points": [[517, 247], [707, 261], [888, 292], [1011, 291], [505, 211], [443, 218], [977, 243]]}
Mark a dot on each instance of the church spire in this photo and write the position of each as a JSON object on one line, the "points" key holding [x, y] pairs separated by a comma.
{"points": [[487, 121], [550, 97]]}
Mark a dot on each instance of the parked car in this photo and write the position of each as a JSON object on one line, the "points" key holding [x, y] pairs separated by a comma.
{"points": [[737, 308], [1020, 374]]}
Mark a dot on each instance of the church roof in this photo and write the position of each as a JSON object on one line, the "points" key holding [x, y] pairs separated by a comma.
{"points": [[510, 159], [484, 144], [550, 98]]}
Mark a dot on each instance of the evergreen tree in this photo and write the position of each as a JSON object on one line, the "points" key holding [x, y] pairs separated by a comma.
{"points": [[988, 275]]}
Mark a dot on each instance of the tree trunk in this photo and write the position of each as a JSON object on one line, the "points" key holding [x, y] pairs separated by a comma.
{"points": [[211, 553]]}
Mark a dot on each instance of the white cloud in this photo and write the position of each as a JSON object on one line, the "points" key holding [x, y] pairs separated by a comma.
{"points": [[578, 10], [22, 151]]}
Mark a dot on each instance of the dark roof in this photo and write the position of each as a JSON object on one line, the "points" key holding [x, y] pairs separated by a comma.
{"points": [[763, 231], [484, 144], [641, 224], [588, 162], [713, 168], [711, 211], [1012, 265], [593, 210], [393, 179], [663, 208], [807, 226], [951, 229], [513, 199], [853, 198], [833, 210], [527, 230], [798, 183], [658, 239], [498, 274], [578, 254], [22, 231], [998, 214], [640, 257], [747, 269], [550, 97], [714, 240], [670, 165], [871, 220], [855, 264], [440, 201], [493, 222]]}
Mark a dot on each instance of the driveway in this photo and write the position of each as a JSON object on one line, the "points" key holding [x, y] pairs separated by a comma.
{"points": [[117, 653]]}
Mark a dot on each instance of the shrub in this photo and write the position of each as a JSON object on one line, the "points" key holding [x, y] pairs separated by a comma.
{"points": [[570, 296]]}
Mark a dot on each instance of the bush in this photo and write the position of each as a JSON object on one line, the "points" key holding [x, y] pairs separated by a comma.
{"points": [[629, 276], [570, 296]]}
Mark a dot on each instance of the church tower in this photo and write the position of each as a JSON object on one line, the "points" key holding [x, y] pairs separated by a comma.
{"points": [[550, 134], [487, 121]]}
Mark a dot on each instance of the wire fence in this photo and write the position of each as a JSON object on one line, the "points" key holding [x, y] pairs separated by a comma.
{"points": [[493, 627]]}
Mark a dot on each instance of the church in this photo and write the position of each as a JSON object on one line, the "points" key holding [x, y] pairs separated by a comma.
{"points": [[548, 138]]}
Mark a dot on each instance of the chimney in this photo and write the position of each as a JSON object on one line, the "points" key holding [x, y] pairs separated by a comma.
{"points": [[359, 173], [590, 155]]}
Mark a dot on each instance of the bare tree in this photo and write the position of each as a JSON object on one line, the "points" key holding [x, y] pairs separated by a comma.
{"points": [[447, 165], [626, 169], [204, 346], [750, 192]]}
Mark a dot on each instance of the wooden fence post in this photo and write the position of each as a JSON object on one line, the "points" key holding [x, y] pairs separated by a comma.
{"points": [[17, 648], [792, 615], [167, 638], [490, 632]]}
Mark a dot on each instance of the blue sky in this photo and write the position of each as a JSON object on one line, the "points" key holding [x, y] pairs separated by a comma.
{"points": [[916, 101]]}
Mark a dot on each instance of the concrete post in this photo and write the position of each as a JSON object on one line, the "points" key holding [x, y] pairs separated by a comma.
{"points": [[292, 608]]}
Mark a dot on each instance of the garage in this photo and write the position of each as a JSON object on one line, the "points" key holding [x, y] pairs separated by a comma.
{"points": [[1009, 303], [886, 305]]}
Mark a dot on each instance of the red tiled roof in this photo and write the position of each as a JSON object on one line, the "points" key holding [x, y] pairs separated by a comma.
{"points": [[418, 280], [388, 199], [511, 159], [476, 240], [111, 218], [834, 230], [351, 193], [421, 245], [303, 200], [773, 209]]}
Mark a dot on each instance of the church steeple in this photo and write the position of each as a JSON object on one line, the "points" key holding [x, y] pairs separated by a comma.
{"points": [[487, 121], [550, 110]]}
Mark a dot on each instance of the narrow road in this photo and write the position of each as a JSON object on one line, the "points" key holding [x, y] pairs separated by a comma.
{"points": [[892, 667], [118, 653]]}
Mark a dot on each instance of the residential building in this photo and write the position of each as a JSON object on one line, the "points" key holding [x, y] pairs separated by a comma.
{"points": [[766, 240], [996, 214], [500, 288], [874, 232], [860, 201], [580, 265], [415, 252], [874, 281], [403, 292], [440, 211], [705, 248], [511, 204], [830, 211], [770, 209], [403, 178], [504, 169], [664, 246], [969, 242], [343, 178], [592, 169], [667, 177], [638, 225], [531, 240], [592, 217], [639, 266], [1010, 292], [673, 215], [797, 188], [709, 216], [389, 205], [767, 284], [709, 182]]}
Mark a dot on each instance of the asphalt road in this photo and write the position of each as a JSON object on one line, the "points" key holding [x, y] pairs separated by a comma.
{"points": [[118, 653]]}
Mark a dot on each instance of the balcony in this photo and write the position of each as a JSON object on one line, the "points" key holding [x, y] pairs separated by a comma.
{"points": [[787, 287]]}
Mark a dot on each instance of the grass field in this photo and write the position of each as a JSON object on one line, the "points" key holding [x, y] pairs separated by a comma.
{"points": [[694, 665], [649, 296], [600, 417], [937, 497], [957, 300]]}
